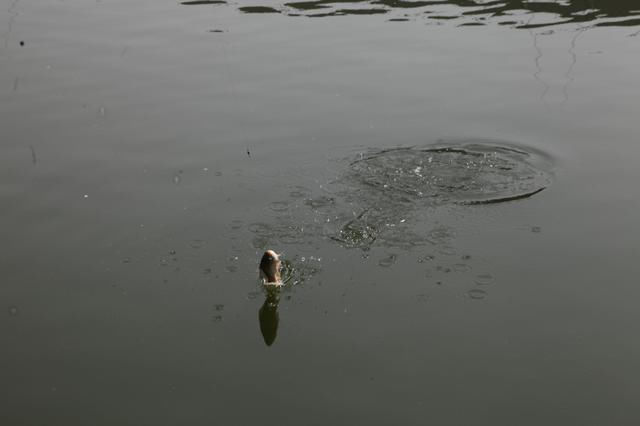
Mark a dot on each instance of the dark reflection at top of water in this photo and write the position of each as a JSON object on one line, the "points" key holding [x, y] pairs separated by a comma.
{"points": [[198, 2], [469, 12]]}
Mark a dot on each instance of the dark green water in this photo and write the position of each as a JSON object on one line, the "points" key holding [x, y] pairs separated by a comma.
{"points": [[150, 151]]}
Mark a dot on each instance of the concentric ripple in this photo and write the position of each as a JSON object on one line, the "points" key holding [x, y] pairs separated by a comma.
{"points": [[470, 173]]}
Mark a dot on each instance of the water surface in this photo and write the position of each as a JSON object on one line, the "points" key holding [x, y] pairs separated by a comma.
{"points": [[152, 150]]}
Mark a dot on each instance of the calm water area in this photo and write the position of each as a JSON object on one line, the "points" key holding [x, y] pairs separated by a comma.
{"points": [[453, 186]]}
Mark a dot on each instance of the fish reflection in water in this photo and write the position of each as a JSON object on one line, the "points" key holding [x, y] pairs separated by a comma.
{"points": [[268, 315], [280, 275]]}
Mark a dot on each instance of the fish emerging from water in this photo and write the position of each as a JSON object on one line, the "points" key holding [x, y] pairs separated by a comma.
{"points": [[270, 266]]}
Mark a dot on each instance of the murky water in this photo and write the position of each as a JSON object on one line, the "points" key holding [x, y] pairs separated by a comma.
{"points": [[452, 186]]}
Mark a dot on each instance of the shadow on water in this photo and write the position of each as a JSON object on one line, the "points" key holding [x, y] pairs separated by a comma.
{"points": [[467, 12]]}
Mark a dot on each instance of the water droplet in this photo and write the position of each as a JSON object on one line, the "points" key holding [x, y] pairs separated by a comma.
{"points": [[126, 260], [536, 229], [218, 307]]}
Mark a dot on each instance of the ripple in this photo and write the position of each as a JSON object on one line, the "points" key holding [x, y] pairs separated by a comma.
{"points": [[299, 270], [299, 192], [381, 195], [461, 267], [477, 294], [468, 173], [260, 228], [448, 251], [279, 206], [196, 244], [388, 261], [320, 202], [484, 279]]}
